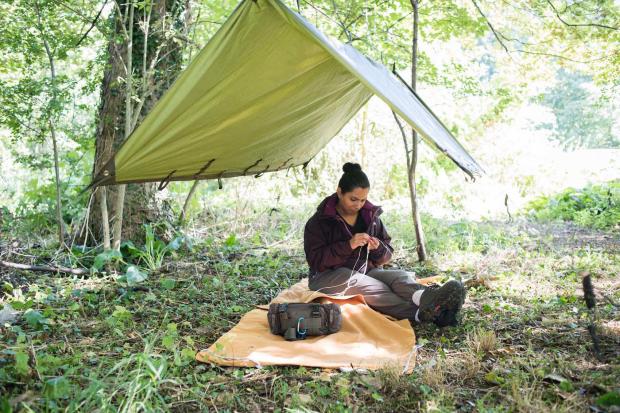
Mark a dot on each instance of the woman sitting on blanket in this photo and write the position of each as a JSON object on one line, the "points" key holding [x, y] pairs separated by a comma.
{"points": [[346, 247]]}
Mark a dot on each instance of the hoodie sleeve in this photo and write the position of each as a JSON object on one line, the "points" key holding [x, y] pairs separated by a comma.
{"points": [[320, 254], [383, 254]]}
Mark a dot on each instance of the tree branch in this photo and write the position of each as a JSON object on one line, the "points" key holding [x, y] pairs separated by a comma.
{"points": [[45, 268], [92, 25], [499, 36], [557, 13], [404, 134], [490, 26]]}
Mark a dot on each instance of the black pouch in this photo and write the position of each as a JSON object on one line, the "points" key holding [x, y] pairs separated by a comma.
{"points": [[296, 321]]}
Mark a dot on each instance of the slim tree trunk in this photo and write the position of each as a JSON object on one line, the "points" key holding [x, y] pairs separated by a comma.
{"points": [[419, 233], [61, 230], [50, 56], [105, 220], [363, 134], [117, 229], [186, 203]]}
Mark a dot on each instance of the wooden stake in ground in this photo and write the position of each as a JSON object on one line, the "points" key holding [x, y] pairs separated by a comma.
{"points": [[588, 296]]}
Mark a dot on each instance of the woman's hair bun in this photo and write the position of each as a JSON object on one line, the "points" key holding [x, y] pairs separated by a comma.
{"points": [[351, 167], [353, 177]]}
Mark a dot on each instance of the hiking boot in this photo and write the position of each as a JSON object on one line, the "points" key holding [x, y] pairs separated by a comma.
{"points": [[441, 305]]}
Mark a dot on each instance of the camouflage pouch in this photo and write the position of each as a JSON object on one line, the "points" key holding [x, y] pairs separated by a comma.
{"points": [[296, 321]]}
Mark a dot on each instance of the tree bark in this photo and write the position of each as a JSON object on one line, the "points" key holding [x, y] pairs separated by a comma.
{"points": [[412, 164], [158, 62], [120, 196]]}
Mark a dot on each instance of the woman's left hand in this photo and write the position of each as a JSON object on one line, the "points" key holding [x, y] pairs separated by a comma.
{"points": [[373, 244]]}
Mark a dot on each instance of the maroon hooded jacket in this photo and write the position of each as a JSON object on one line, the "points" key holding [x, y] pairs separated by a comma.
{"points": [[326, 239]]}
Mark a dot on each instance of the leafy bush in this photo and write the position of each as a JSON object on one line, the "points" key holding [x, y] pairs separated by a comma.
{"points": [[446, 237], [155, 250], [596, 206], [36, 210]]}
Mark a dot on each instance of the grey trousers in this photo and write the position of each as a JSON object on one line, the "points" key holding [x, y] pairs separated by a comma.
{"points": [[387, 291]]}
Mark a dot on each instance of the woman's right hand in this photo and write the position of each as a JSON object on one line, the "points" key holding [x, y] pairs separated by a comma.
{"points": [[359, 240]]}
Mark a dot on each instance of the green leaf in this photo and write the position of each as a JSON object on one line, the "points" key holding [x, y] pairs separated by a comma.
{"points": [[176, 243], [566, 386], [5, 406], [106, 257], [168, 342], [235, 309], [121, 317], [134, 276], [168, 283], [21, 306], [231, 240], [35, 319], [129, 249], [7, 287], [57, 388], [188, 354], [493, 378], [21, 363]]}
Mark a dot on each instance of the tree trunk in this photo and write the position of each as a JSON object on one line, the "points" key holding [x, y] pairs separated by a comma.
{"points": [[50, 56], [419, 233], [190, 194], [363, 134], [157, 61]]}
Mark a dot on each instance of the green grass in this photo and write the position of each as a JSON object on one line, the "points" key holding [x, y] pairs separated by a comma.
{"points": [[96, 343]]}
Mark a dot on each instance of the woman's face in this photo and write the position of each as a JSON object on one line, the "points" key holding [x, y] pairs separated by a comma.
{"points": [[351, 202]]}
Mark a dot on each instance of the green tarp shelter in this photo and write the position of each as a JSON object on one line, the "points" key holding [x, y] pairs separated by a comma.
{"points": [[266, 93]]}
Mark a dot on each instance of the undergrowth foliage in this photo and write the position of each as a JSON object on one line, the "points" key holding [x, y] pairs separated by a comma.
{"points": [[115, 341], [595, 206]]}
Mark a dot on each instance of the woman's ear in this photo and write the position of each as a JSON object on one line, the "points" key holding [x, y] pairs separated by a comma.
{"points": [[339, 192]]}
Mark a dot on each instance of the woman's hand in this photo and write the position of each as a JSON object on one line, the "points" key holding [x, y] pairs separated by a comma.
{"points": [[359, 240], [373, 243]]}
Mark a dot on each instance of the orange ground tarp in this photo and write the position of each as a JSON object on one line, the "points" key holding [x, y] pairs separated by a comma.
{"points": [[367, 340]]}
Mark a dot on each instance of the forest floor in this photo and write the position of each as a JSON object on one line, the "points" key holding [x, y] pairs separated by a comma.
{"points": [[94, 343]]}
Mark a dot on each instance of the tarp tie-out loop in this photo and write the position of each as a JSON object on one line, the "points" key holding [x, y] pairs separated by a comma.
{"points": [[204, 168], [251, 166], [219, 180], [164, 183], [258, 175], [284, 164]]}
